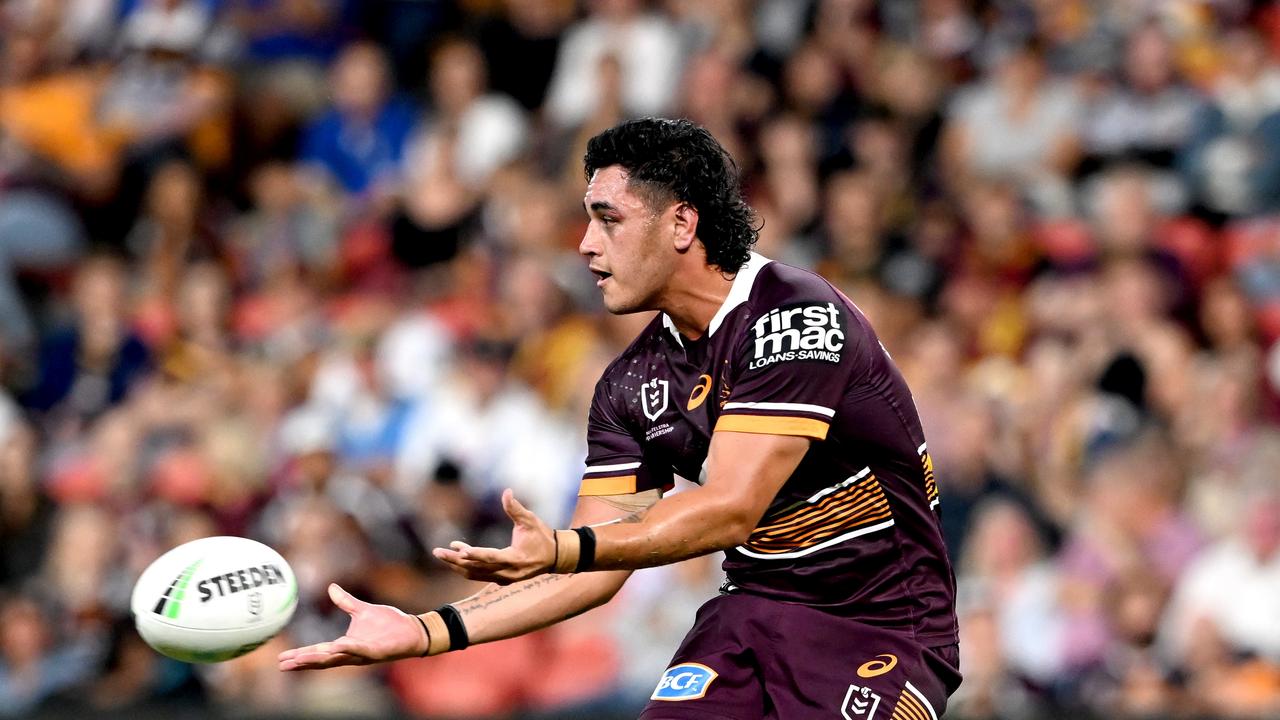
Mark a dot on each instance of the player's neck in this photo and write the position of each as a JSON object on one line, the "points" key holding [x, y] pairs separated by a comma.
{"points": [[693, 298]]}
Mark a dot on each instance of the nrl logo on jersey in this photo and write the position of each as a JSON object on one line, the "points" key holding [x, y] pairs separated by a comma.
{"points": [[860, 704], [805, 332], [653, 398]]}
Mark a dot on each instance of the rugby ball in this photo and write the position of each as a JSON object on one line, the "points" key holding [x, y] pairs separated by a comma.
{"points": [[213, 599]]}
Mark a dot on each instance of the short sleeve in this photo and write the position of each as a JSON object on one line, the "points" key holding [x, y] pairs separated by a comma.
{"points": [[616, 462], [791, 369]]}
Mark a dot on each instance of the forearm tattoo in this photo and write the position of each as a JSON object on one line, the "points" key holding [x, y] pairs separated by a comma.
{"points": [[492, 596]]}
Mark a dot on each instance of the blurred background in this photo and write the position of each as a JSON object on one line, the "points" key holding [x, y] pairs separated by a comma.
{"points": [[305, 271]]}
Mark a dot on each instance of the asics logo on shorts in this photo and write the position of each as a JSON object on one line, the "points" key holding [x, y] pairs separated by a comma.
{"points": [[686, 681], [877, 667]]}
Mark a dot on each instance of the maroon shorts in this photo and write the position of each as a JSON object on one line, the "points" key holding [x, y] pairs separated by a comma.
{"points": [[749, 658]]}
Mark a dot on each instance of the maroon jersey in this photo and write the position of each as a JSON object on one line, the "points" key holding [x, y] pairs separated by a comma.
{"points": [[854, 530]]}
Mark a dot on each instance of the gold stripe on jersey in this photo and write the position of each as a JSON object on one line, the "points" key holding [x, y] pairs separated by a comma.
{"points": [[930, 482], [859, 504], [908, 708], [620, 485], [774, 425]]}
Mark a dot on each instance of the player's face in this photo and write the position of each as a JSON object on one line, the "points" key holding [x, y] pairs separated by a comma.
{"points": [[624, 245]]}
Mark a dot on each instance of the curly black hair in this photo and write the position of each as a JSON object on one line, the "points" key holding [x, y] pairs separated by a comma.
{"points": [[679, 160]]}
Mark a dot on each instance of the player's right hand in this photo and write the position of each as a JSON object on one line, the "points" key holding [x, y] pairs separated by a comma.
{"points": [[377, 633]]}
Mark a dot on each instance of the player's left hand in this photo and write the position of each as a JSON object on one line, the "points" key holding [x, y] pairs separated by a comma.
{"points": [[532, 551]]}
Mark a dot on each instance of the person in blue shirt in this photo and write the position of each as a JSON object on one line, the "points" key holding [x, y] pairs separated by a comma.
{"points": [[360, 141]]}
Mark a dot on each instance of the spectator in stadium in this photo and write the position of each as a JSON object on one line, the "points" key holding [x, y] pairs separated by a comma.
{"points": [[1132, 525], [35, 663], [74, 29], [813, 87], [1020, 124], [168, 90], [717, 95], [172, 230], [83, 550], [521, 45], [477, 422], [359, 142], [1233, 158], [192, 338], [49, 112], [644, 45], [90, 366], [1007, 570], [39, 232], [1150, 114], [947, 31], [1134, 681], [908, 86], [309, 31], [488, 129], [469, 134], [28, 512], [790, 187], [1231, 585], [853, 228], [286, 231]]}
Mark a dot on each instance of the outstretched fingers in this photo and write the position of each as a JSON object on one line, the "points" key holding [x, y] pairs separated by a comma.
{"points": [[484, 564], [461, 553], [318, 661], [343, 651]]}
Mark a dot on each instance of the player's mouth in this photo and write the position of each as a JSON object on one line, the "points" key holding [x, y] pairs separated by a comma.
{"points": [[601, 276]]}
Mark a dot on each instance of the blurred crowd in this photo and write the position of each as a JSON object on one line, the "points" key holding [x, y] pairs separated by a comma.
{"points": [[306, 271]]}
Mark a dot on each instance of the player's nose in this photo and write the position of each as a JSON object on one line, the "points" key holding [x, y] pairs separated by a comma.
{"points": [[590, 244]]}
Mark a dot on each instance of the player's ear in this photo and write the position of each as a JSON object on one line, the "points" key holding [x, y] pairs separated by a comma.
{"points": [[685, 226]]}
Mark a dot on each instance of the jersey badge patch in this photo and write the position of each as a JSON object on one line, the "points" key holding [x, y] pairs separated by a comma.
{"points": [[859, 704], [686, 681], [653, 398]]}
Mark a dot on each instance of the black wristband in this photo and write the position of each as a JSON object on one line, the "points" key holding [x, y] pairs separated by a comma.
{"points": [[587, 548], [427, 650], [458, 639]]}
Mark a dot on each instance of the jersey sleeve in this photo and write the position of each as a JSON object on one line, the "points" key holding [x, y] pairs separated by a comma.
{"points": [[616, 463], [792, 366]]}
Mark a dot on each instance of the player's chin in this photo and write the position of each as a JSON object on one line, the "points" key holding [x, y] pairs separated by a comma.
{"points": [[618, 304]]}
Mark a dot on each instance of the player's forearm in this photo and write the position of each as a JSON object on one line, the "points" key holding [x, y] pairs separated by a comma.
{"points": [[502, 611], [744, 472], [682, 526]]}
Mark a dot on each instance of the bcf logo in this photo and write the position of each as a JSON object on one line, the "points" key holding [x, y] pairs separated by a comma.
{"points": [[686, 681]]}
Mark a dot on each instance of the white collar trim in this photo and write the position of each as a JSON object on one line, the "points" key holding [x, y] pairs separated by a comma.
{"points": [[743, 282]]}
